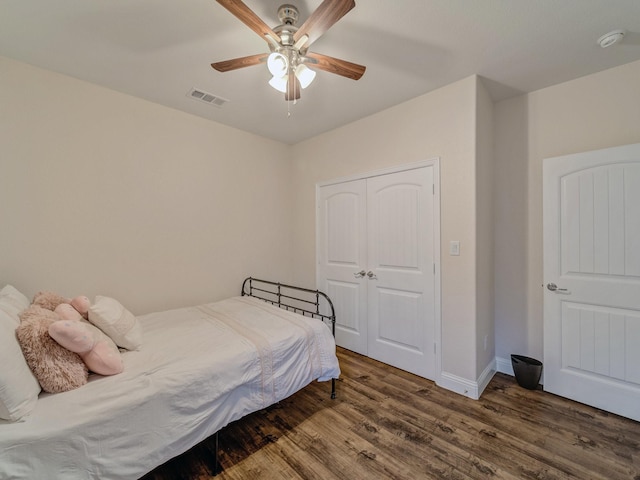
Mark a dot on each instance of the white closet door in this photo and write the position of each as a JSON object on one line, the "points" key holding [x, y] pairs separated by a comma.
{"points": [[401, 282], [592, 278], [341, 254]]}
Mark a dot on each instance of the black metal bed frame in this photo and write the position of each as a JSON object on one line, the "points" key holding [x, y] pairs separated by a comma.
{"points": [[306, 303]]}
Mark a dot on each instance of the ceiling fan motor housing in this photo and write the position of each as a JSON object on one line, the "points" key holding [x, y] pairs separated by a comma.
{"points": [[288, 14]]}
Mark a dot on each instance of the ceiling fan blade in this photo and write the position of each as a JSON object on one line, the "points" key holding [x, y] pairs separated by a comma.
{"points": [[335, 65], [322, 19], [228, 65], [293, 88], [249, 18]]}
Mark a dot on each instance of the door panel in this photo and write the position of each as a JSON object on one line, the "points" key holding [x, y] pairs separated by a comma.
{"points": [[345, 298], [401, 258], [632, 219], [397, 210], [601, 340], [341, 254], [600, 226], [404, 308], [592, 251]]}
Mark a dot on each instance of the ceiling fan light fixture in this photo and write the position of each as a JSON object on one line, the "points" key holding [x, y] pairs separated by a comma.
{"points": [[300, 43], [279, 83], [305, 75], [277, 64]]}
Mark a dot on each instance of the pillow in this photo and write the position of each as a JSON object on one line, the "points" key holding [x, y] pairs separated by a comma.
{"points": [[56, 368], [19, 389], [49, 300], [117, 322], [97, 351], [12, 302]]}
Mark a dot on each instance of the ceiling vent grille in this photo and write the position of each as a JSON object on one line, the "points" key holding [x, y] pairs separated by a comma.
{"points": [[206, 97]]}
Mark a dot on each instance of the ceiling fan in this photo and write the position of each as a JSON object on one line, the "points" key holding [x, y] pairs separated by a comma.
{"points": [[289, 59]]}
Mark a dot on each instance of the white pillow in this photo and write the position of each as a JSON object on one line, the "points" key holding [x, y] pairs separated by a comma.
{"points": [[19, 387], [12, 302], [117, 322]]}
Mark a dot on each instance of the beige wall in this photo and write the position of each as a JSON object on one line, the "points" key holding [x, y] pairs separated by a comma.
{"points": [[510, 203], [105, 188], [485, 334], [99, 190], [102, 193], [438, 124], [593, 112]]}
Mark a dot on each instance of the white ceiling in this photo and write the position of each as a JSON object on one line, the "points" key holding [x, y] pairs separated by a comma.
{"points": [[160, 49]]}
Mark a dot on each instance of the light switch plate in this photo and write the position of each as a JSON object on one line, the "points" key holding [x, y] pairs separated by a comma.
{"points": [[454, 247]]}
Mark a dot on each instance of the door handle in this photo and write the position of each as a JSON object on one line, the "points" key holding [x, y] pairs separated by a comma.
{"points": [[371, 275], [554, 288], [360, 274]]}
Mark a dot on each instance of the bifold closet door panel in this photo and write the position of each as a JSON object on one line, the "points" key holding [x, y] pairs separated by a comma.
{"points": [[342, 259], [400, 257]]}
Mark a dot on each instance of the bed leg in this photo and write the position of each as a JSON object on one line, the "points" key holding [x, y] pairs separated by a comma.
{"points": [[333, 388], [216, 465]]}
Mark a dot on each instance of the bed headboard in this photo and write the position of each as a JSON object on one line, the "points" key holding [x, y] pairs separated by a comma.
{"points": [[311, 303]]}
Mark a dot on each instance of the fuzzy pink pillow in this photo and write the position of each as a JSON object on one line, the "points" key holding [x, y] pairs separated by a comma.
{"points": [[97, 350], [56, 368], [49, 300]]}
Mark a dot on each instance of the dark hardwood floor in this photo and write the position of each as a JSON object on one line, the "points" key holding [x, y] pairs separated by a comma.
{"points": [[387, 423]]}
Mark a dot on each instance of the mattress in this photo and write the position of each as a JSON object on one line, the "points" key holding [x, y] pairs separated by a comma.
{"points": [[199, 369]]}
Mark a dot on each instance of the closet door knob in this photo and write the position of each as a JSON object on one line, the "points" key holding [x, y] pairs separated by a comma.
{"points": [[360, 274], [554, 288], [371, 275]]}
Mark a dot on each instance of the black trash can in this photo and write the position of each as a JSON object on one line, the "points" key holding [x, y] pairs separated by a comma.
{"points": [[527, 371]]}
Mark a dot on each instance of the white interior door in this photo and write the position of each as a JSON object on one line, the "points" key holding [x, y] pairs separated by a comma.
{"points": [[377, 240], [341, 254], [401, 270], [592, 278]]}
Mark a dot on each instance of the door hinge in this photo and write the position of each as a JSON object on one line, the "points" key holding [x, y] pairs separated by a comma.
{"points": [[434, 349]]}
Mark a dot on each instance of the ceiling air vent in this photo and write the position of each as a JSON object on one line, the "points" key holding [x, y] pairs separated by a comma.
{"points": [[206, 97]]}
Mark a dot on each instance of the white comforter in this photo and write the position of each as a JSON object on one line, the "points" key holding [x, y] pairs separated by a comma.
{"points": [[199, 369]]}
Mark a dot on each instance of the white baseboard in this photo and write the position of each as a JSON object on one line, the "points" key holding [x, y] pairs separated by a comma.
{"points": [[472, 389], [486, 376], [458, 385], [467, 387]]}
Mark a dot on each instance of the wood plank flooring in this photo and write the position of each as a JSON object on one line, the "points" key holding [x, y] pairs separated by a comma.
{"points": [[390, 424]]}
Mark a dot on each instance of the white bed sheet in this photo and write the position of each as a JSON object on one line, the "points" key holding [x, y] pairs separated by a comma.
{"points": [[199, 369]]}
